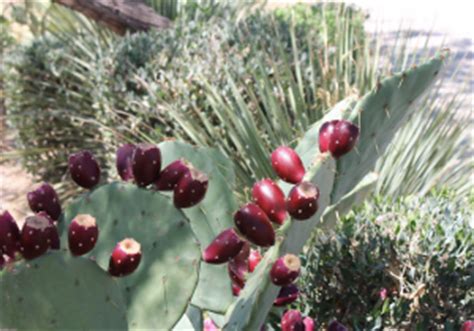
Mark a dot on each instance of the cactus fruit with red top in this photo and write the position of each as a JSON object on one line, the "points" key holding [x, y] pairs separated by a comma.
{"points": [[224, 247], [255, 225], [338, 137], [271, 199]]}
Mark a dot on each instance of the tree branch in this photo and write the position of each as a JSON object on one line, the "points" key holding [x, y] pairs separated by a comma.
{"points": [[119, 15]]}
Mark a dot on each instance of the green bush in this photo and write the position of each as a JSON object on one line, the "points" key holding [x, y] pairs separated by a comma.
{"points": [[421, 250]]}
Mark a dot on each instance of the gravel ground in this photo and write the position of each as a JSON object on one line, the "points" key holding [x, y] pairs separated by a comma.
{"points": [[450, 22]]}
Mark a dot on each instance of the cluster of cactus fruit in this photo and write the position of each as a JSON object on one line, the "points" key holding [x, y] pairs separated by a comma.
{"points": [[183, 256], [141, 163]]}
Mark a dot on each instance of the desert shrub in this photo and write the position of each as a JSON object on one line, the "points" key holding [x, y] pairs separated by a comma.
{"points": [[109, 89], [417, 250]]}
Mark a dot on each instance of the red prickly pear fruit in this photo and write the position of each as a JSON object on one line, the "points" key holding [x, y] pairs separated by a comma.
{"points": [[269, 196], [170, 176], [236, 289], [34, 236], [468, 326], [209, 325], [238, 265], [255, 225], [292, 321], [254, 259], [302, 202], [285, 270], [84, 169], [309, 324], [125, 258], [287, 295], [287, 164], [338, 137], [44, 198], [191, 188], [336, 326], [53, 234], [146, 164], [225, 246], [82, 235], [123, 161], [9, 235]]}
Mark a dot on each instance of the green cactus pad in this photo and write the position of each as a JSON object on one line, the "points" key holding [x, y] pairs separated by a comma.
{"points": [[208, 218], [256, 299], [158, 292], [379, 114], [59, 292]]}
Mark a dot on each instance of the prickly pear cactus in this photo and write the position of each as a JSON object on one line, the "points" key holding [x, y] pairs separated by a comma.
{"points": [[378, 114], [57, 291], [170, 275]]}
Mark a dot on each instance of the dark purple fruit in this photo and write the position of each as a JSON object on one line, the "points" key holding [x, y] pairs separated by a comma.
{"points": [[123, 161], [336, 326], [34, 236], [255, 225], [287, 164], [285, 270], [9, 235], [224, 247], [191, 188], [269, 196], [287, 295], [125, 258], [170, 176], [82, 235], [53, 234], [146, 164], [84, 169], [338, 137], [44, 198], [302, 202]]}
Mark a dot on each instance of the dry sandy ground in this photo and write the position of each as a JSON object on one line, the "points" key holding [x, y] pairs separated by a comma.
{"points": [[450, 21]]}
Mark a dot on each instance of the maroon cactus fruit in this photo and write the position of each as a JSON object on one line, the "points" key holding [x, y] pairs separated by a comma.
{"points": [[269, 196], [337, 137], [309, 324], [9, 235], [84, 169], [191, 188], [254, 259], [238, 265], [292, 321], [82, 235], [287, 164], [224, 247], [209, 325], [468, 326], [123, 161], [302, 202], [170, 176], [34, 236], [285, 270], [53, 234], [125, 258], [146, 164], [287, 295], [44, 198], [255, 225], [236, 289], [336, 326]]}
